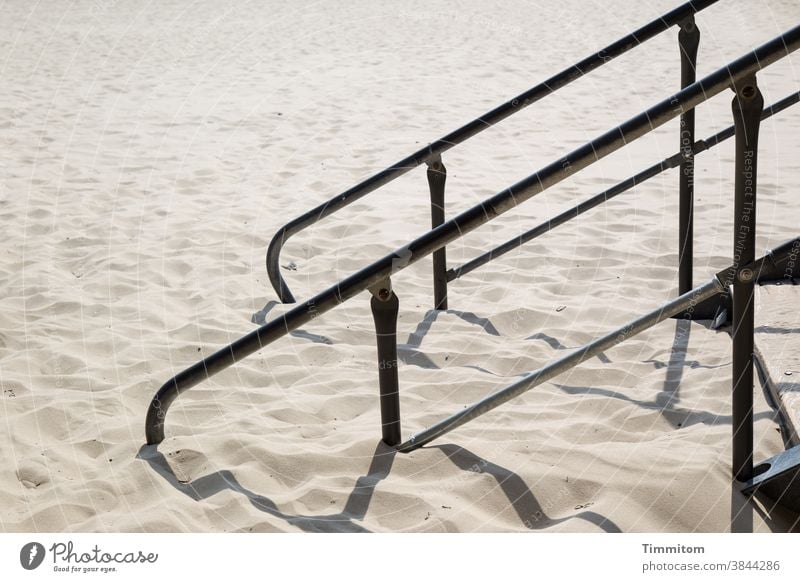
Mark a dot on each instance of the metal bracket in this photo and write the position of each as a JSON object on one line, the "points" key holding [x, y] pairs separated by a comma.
{"points": [[780, 265], [688, 25], [716, 309], [778, 479], [382, 290], [434, 162]]}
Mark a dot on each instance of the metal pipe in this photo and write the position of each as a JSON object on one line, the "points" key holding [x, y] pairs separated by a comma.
{"points": [[465, 222], [465, 132], [437, 176], [746, 107], [544, 374], [654, 170], [688, 40], [558, 220]]}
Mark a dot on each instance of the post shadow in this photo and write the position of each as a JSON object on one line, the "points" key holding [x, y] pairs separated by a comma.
{"points": [[670, 392], [424, 326]]}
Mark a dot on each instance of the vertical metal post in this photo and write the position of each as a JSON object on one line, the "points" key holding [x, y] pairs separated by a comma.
{"points": [[688, 41], [437, 175], [385, 307], [747, 106]]}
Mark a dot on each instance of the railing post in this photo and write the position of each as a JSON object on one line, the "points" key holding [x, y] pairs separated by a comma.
{"points": [[385, 307], [688, 41], [747, 106], [437, 175]]}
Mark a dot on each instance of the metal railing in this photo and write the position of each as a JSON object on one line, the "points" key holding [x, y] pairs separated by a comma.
{"points": [[741, 276], [775, 259], [651, 172], [688, 39]]}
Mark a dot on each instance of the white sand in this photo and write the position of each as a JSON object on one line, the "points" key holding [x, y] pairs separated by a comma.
{"points": [[150, 151]]}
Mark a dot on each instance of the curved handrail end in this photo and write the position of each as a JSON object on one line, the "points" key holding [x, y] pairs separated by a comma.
{"points": [[157, 412], [274, 268]]}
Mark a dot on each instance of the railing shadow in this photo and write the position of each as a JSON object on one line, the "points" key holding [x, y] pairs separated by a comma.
{"points": [[777, 330], [354, 510], [424, 326], [528, 508], [677, 417], [409, 352], [260, 318], [556, 344], [742, 509], [531, 513], [666, 401]]}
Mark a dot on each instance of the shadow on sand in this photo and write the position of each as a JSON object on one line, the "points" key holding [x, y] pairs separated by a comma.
{"points": [[531, 513], [345, 521]]}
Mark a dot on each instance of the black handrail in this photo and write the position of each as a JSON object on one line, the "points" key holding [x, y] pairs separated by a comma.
{"points": [[466, 222], [469, 130], [668, 163]]}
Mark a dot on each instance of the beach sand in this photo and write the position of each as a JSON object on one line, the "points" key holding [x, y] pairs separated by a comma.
{"points": [[149, 153]]}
